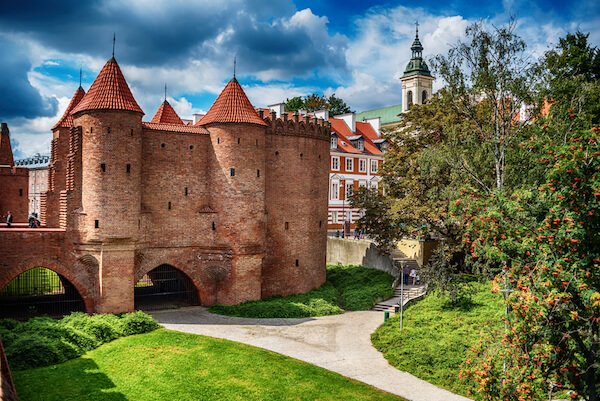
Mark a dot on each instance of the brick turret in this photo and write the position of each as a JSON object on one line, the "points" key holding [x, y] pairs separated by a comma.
{"points": [[6, 155], [238, 180], [111, 125], [14, 181], [59, 151]]}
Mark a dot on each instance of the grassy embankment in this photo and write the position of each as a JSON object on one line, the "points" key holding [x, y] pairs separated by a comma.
{"points": [[436, 336], [166, 365], [346, 288]]}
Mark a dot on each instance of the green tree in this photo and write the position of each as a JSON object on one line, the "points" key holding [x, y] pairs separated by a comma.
{"points": [[315, 102], [489, 78], [294, 104], [337, 106]]}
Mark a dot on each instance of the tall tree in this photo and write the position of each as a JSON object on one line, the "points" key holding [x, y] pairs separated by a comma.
{"points": [[489, 78], [337, 106], [294, 104]]}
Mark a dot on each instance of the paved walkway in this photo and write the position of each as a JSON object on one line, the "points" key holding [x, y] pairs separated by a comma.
{"points": [[340, 343]]}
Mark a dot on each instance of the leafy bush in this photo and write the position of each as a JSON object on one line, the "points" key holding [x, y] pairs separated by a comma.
{"points": [[137, 323], [360, 288], [35, 350], [43, 341]]}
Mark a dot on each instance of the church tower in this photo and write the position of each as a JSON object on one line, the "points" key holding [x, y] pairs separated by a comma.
{"points": [[417, 81]]}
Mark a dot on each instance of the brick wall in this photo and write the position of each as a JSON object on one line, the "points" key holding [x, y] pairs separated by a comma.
{"points": [[14, 182]]}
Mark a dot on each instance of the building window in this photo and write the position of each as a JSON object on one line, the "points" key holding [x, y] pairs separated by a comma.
{"points": [[128, 168], [320, 223], [214, 226], [374, 166], [20, 191], [334, 217], [334, 142], [162, 145], [360, 145], [301, 155], [108, 130], [169, 206], [218, 140], [131, 132], [191, 147], [335, 190], [409, 102], [362, 165], [423, 97], [335, 163], [186, 191], [232, 172], [349, 189], [297, 262], [96, 223], [374, 185], [362, 184], [239, 141], [257, 173], [349, 164], [287, 225], [103, 167]]}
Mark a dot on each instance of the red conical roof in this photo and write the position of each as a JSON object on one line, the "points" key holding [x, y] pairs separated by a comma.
{"points": [[108, 92], [232, 106], [67, 120], [166, 114]]}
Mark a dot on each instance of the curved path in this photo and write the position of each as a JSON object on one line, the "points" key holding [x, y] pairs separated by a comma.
{"points": [[340, 343]]}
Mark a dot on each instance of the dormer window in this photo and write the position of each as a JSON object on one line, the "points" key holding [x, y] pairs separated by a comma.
{"points": [[333, 141], [359, 144]]}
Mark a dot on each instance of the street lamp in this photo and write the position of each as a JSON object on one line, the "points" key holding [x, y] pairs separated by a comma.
{"points": [[401, 292], [505, 293]]}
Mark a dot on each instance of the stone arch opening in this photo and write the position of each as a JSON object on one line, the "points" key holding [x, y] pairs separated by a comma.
{"points": [[39, 291], [165, 287]]}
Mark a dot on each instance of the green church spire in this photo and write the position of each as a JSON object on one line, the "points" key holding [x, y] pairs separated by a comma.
{"points": [[416, 65]]}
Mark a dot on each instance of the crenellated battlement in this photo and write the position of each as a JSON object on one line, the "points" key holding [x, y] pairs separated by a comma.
{"points": [[298, 125]]}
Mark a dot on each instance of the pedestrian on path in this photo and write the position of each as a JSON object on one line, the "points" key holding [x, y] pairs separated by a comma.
{"points": [[413, 276], [9, 219]]}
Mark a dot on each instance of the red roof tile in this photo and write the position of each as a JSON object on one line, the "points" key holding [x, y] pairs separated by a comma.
{"points": [[67, 120], [109, 92], [342, 130], [166, 115], [180, 128], [232, 106], [369, 134]]}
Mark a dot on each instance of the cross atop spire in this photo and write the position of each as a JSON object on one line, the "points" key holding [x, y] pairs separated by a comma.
{"points": [[234, 63], [165, 91], [80, 74], [114, 40], [417, 25]]}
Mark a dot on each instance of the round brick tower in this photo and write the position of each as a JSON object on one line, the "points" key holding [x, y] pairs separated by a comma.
{"points": [[238, 186], [111, 123]]}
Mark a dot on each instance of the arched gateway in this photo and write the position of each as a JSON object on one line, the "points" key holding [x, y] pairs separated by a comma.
{"points": [[165, 287], [39, 292]]}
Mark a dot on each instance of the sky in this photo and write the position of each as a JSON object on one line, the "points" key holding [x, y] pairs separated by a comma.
{"points": [[356, 49]]}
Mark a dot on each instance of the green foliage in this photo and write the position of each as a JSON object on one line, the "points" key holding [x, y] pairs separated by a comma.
{"points": [[444, 277], [437, 335], [42, 341], [32, 350], [382, 226], [166, 365], [347, 287], [138, 323], [314, 102]]}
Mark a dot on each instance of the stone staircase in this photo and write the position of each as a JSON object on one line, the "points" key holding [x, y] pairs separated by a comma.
{"points": [[410, 292]]}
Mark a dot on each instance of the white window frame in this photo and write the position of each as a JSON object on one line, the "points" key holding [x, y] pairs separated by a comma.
{"points": [[335, 163], [334, 217], [334, 190], [349, 185], [333, 142], [360, 144], [362, 184], [376, 164], [362, 165], [349, 164]]}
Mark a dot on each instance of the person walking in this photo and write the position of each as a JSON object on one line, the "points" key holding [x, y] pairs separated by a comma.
{"points": [[31, 220], [9, 219], [413, 276]]}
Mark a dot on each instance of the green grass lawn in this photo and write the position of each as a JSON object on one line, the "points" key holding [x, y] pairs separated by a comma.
{"points": [[436, 337], [346, 288], [166, 365]]}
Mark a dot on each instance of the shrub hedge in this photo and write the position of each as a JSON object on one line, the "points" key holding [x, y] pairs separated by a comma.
{"points": [[43, 341]]}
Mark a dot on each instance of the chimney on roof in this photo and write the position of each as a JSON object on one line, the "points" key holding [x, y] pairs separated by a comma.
{"points": [[375, 123], [349, 119], [197, 117], [278, 108], [324, 114]]}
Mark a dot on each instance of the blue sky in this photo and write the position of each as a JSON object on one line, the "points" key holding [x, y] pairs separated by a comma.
{"points": [[356, 49]]}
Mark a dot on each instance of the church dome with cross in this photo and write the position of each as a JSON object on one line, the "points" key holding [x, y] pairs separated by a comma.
{"points": [[417, 81]]}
